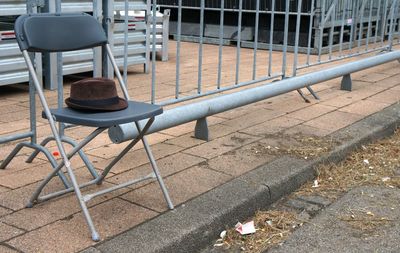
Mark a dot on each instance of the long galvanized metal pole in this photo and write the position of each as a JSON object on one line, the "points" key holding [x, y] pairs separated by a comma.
{"points": [[187, 113]]}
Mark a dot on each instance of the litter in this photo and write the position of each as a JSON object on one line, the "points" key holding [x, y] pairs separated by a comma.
{"points": [[366, 161], [245, 229], [223, 234], [315, 184], [384, 179]]}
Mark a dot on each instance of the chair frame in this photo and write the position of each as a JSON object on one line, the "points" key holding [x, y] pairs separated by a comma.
{"points": [[65, 157]]}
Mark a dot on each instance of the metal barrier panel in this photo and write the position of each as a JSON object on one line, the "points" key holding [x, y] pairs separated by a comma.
{"points": [[12, 65]]}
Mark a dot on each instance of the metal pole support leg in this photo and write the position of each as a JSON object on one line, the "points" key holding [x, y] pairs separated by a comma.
{"points": [[346, 83], [201, 130]]}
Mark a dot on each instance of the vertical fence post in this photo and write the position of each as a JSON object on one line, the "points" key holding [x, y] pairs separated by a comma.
{"points": [[200, 60], [221, 39], [285, 38], [310, 31], [153, 51], [271, 38], [256, 39], [108, 21], [238, 41], [178, 50]]}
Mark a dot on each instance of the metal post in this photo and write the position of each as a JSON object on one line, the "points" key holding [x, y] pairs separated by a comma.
{"points": [[178, 49], [285, 38], [153, 51], [200, 62], [238, 41], [271, 38], [256, 39], [221, 39]]}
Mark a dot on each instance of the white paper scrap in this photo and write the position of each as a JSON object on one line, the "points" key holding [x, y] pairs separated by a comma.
{"points": [[245, 229]]}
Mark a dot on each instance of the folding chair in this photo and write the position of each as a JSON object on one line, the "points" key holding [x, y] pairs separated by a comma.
{"points": [[67, 32]]}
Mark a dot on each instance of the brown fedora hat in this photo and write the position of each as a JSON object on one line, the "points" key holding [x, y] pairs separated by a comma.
{"points": [[99, 94]]}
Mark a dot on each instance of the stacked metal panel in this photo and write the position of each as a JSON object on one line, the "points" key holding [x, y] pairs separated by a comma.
{"points": [[12, 65], [138, 33]]}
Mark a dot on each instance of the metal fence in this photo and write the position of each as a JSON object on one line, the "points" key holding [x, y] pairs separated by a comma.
{"points": [[345, 29], [336, 30]]}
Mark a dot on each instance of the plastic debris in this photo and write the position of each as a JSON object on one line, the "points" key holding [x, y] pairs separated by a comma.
{"points": [[245, 229], [315, 184], [223, 234], [366, 161], [218, 245], [384, 179], [269, 222]]}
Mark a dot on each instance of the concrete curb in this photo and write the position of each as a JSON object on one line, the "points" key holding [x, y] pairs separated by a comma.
{"points": [[194, 225]]}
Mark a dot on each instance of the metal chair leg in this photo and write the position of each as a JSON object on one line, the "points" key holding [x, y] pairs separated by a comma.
{"points": [[88, 218], [155, 169]]}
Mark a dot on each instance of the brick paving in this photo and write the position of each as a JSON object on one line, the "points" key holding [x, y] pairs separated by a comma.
{"points": [[190, 166]]}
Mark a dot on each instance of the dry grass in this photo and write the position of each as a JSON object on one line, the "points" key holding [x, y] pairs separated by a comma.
{"points": [[374, 164]]}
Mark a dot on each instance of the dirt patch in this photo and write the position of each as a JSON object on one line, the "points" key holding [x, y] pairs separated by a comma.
{"points": [[305, 147], [364, 221]]}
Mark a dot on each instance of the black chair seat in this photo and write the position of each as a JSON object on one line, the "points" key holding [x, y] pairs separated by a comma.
{"points": [[136, 111]]}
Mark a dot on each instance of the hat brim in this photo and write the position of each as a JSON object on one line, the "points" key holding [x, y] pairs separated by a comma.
{"points": [[121, 105]]}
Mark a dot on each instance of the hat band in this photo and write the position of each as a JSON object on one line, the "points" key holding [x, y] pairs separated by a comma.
{"points": [[97, 102]]}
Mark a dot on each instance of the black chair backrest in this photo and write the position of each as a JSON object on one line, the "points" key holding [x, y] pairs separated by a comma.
{"points": [[57, 32]]}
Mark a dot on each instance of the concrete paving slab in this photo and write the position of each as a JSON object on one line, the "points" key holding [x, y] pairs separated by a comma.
{"points": [[7, 232], [182, 186], [167, 166], [70, 235], [6, 249], [221, 145]]}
